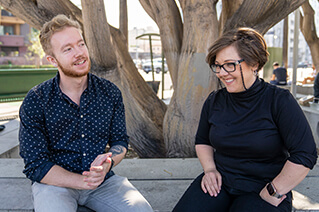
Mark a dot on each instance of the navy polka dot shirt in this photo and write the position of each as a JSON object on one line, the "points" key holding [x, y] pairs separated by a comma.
{"points": [[56, 131]]}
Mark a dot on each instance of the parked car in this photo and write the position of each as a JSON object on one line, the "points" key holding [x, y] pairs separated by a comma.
{"points": [[157, 64], [302, 65]]}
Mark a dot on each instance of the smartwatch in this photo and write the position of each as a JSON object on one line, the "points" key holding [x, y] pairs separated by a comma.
{"points": [[272, 190]]}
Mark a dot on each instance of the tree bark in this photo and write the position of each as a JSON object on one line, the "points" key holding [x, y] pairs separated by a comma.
{"points": [[123, 20], [285, 43], [169, 21], [194, 78], [144, 123], [308, 29], [261, 15], [185, 42], [98, 37]]}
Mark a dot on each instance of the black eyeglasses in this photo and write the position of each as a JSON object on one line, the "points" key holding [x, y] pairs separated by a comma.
{"points": [[228, 67]]}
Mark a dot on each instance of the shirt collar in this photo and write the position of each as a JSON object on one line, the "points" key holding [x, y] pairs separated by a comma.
{"points": [[56, 81]]}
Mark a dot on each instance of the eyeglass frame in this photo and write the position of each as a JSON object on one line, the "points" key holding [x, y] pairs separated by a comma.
{"points": [[222, 66]]}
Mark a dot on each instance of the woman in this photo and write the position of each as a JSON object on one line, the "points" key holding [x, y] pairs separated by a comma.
{"points": [[253, 140]]}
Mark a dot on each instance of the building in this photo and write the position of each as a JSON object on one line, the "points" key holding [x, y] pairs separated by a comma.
{"points": [[274, 38], [140, 48], [13, 35]]}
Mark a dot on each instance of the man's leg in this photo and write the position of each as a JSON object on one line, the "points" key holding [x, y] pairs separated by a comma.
{"points": [[47, 198], [116, 194]]}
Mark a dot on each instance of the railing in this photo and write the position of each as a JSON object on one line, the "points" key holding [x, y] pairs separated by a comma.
{"points": [[15, 83]]}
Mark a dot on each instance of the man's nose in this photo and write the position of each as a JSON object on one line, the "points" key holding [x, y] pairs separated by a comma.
{"points": [[78, 51]]}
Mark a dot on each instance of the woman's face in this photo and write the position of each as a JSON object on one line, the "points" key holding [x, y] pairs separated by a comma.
{"points": [[233, 80]]}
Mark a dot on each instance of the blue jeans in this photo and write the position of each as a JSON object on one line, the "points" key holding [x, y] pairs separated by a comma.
{"points": [[194, 199], [116, 194]]}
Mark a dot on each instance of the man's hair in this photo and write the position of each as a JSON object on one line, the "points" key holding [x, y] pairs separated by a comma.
{"points": [[275, 64], [57, 24], [250, 45]]}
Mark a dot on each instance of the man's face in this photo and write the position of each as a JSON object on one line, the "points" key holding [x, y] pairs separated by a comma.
{"points": [[70, 53]]}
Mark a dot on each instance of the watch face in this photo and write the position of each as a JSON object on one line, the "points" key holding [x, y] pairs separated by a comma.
{"points": [[270, 189]]}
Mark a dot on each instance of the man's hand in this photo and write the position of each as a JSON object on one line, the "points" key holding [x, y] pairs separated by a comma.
{"points": [[212, 182], [99, 168], [270, 199]]}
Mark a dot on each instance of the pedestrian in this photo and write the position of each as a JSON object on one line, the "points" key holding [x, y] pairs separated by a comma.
{"points": [[279, 75], [253, 140], [66, 123]]}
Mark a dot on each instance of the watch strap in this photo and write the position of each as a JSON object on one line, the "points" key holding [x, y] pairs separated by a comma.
{"points": [[112, 164], [273, 191]]}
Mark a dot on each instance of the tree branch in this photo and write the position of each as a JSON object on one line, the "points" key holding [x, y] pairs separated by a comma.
{"points": [[123, 20], [147, 7], [98, 37], [27, 10], [261, 15], [308, 29], [170, 24]]}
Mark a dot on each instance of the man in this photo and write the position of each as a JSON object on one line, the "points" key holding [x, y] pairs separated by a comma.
{"points": [[279, 76], [66, 123]]}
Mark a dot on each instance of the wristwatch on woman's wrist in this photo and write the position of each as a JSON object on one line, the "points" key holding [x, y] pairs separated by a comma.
{"points": [[273, 191]]}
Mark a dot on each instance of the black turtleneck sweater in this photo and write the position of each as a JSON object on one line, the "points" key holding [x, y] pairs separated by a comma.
{"points": [[254, 133]]}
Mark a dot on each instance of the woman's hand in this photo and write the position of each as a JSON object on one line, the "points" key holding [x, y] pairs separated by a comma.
{"points": [[270, 199], [212, 182]]}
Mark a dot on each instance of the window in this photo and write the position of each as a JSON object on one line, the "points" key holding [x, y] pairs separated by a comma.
{"points": [[6, 30]]}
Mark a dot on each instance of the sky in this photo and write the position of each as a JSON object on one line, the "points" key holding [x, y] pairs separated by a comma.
{"points": [[137, 17]]}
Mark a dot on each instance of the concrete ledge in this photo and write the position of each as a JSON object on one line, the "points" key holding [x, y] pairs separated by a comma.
{"points": [[9, 143], [161, 181]]}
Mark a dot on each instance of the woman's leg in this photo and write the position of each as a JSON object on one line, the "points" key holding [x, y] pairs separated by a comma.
{"points": [[253, 202], [194, 199]]}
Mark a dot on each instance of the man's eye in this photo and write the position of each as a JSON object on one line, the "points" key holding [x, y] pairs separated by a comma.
{"points": [[67, 49]]}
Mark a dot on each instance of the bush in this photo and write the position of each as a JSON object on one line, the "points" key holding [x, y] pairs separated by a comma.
{"points": [[8, 66]]}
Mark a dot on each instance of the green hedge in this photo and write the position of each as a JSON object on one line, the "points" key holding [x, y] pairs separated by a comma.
{"points": [[8, 66]]}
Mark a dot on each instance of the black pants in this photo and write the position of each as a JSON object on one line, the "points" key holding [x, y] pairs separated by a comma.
{"points": [[195, 200]]}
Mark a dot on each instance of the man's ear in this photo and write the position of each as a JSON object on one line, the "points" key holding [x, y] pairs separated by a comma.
{"points": [[52, 60]]}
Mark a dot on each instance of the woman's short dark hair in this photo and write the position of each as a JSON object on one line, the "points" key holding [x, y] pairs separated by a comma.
{"points": [[250, 45]]}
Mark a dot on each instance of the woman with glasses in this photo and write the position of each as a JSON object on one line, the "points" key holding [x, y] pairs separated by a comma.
{"points": [[253, 140]]}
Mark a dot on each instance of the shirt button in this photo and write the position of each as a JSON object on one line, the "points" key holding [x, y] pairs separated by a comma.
{"points": [[84, 154], [82, 135], [81, 116]]}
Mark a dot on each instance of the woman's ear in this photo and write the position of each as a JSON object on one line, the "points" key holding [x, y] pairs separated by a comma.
{"points": [[255, 67], [52, 60]]}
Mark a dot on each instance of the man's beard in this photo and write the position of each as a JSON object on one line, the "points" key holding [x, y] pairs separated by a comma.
{"points": [[71, 73]]}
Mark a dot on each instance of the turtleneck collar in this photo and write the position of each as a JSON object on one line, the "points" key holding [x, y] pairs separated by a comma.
{"points": [[257, 86]]}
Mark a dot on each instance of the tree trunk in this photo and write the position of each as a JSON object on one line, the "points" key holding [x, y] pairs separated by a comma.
{"points": [[194, 81], [308, 29], [111, 60], [184, 41], [123, 20], [285, 44]]}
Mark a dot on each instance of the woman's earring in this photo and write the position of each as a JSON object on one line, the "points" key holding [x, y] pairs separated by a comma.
{"points": [[255, 73]]}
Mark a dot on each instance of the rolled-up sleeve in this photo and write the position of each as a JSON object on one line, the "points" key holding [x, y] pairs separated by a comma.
{"points": [[295, 131], [33, 138]]}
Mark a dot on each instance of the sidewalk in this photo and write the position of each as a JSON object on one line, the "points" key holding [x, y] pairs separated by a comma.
{"points": [[161, 181]]}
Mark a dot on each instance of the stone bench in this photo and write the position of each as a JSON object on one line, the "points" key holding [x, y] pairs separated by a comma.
{"points": [[161, 181], [9, 143]]}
